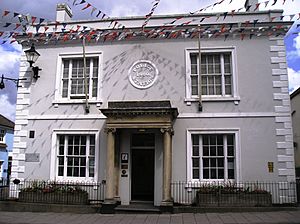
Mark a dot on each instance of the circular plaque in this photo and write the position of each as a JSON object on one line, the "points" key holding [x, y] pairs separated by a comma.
{"points": [[142, 74]]}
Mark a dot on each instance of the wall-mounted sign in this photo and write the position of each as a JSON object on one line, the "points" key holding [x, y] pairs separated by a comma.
{"points": [[124, 157], [271, 167], [143, 74], [32, 157]]}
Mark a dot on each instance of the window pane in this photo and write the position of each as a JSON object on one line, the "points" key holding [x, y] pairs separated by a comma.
{"points": [[205, 174], [228, 90], [193, 58], [195, 150], [205, 139], [205, 151], [195, 173], [213, 150], [230, 150], [210, 69], [213, 139], [194, 90], [194, 80], [91, 167], [220, 173], [60, 171], [205, 162], [195, 139], [213, 162], [220, 162], [82, 172], [194, 69], [220, 151], [213, 173], [230, 174], [230, 139], [196, 162], [203, 69]]}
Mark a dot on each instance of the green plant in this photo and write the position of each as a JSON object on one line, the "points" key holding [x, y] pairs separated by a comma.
{"points": [[50, 187], [229, 187]]}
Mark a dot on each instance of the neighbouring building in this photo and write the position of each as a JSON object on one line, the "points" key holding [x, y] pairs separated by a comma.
{"points": [[148, 118], [6, 146], [295, 109]]}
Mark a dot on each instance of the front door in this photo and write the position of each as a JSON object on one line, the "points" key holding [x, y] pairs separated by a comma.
{"points": [[142, 166]]}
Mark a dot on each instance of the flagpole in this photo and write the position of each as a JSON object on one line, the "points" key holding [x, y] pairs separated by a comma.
{"points": [[87, 107], [199, 71]]}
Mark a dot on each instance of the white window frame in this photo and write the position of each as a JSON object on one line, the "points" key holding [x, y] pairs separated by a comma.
{"points": [[54, 154], [188, 90], [189, 148], [59, 73], [2, 131]]}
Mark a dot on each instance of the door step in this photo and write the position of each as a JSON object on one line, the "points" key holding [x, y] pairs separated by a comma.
{"points": [[137, 208]]}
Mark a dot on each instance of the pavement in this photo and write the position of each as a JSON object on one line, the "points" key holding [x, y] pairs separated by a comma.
{"points": [[278, 217]]}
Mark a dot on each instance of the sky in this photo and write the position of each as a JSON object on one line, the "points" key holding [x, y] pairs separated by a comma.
{"points": [[10, 53]]}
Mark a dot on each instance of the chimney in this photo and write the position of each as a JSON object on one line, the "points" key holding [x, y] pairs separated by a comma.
{"points": [[63, 12], [250, 5]]}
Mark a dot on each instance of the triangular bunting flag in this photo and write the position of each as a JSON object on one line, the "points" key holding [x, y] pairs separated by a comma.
{"points": [[266, 3], [15, 14], [5, 13], [82, 1], [248, 7], [93, 10], [33, 18], [41, 20], [98, 14], [257, 6], [275, 1], [255, 22], [17, 26], [87, 6], [225, 14], [7, 25]]}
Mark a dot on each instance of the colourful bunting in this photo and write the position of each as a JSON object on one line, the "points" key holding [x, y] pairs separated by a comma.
{"points": [[5, 13], [87, 6]]}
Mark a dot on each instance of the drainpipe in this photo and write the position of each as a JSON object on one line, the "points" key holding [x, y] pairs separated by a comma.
{"points": [[199, 71]]}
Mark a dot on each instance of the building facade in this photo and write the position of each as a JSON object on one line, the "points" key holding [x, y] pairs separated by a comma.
{"points": [[295, 108], [148, 118], [6, 146]]}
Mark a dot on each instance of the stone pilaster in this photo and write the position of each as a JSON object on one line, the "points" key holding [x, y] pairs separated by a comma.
{"points": [[167, 166]]}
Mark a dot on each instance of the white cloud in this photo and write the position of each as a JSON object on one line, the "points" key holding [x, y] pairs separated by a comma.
{"points": [[9, 60], [6, 108], [294, 79], [297, 43]]}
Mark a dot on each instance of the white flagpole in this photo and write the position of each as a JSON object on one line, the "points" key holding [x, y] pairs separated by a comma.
{"points": [[87, 107]]}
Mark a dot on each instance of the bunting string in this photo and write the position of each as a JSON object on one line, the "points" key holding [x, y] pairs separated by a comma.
{"points": [[96, 12], [148, 16]]}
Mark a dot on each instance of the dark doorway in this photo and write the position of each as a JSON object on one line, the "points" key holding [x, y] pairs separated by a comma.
{"points": [[142, 166]]}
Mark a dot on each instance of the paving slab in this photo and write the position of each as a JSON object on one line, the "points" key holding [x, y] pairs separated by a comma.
{"points": [[279, 217]]}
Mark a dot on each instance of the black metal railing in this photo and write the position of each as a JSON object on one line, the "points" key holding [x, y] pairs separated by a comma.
{"points": [[221, 194], [53, 192], [4, 189]]}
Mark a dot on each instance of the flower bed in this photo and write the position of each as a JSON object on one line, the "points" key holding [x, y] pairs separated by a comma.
{"points": [[53, 193], [232, 196]]}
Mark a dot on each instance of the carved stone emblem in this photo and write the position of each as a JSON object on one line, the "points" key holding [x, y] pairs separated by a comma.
{"points": [[142, 74]]}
